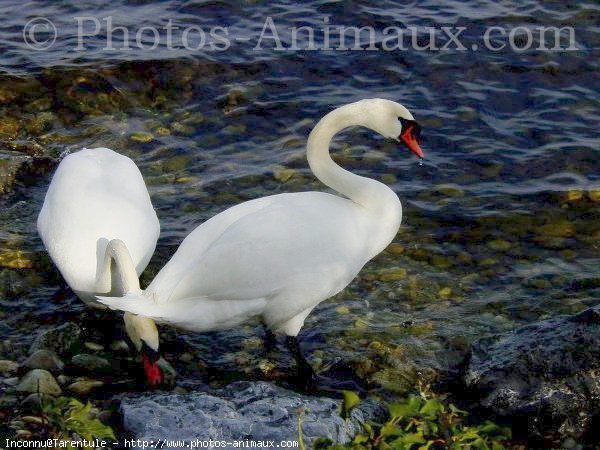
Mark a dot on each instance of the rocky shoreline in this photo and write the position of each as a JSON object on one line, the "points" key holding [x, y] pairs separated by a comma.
{"points": [[544, 378]]}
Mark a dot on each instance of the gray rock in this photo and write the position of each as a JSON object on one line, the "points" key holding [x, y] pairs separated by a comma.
{"points": [[241, 411], [92, 364], [60, 339], [546, 376], [39, 380], [44, 359]]}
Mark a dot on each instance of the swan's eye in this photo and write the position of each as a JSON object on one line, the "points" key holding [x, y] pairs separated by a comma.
{"points": [[410, 126]]}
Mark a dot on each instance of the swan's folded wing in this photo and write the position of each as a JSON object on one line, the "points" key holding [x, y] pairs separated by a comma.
{"points": [[305, 245]]}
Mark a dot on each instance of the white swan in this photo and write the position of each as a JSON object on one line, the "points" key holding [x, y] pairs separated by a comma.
{"points": [[100, 229], [279, 256]]}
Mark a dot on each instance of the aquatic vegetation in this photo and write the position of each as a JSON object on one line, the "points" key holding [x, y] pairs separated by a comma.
{"points": [[421, 422], [67, 418]]}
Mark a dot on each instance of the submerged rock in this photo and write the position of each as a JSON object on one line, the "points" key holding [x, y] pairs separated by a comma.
{"points": [[14, 259], [546, 373], [9, 128], [256, 411], [10, 165]]}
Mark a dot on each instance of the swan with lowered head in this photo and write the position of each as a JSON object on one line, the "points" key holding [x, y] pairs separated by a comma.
{"points": [[277, 257], [100, 229]]}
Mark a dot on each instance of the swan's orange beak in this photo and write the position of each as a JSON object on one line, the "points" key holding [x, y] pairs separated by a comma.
{"points": [[409, 138], [153, 373]]}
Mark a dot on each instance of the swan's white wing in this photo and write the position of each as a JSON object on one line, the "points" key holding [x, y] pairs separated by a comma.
{"points": [[96, 195], [308, 243], [196, 243]]}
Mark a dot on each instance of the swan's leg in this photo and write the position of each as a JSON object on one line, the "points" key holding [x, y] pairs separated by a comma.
{"points": [[291, 328], [306, 373]]}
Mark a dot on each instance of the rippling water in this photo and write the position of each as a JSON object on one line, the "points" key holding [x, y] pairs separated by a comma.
{"points": [[500, 220]]}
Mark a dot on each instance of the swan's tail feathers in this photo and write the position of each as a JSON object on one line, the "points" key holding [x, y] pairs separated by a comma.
{"points": [[135, 303]]}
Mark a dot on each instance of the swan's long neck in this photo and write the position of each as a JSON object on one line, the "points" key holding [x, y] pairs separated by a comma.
{"points": [[116, 273], [364, 191], [380, 203]]}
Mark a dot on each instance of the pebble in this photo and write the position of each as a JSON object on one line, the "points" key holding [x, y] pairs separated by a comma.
{"points": [[63, 379], [163, 131], [388, 178], [185, 130], [8, 367], [392, 274], [449, 190], [83, 387], [32, 419], [283, 174], [188, 357], [560, 228], [342, 310], [9, 128], [90, 363], [44, 359], [39, 380], [15, 424], [13, 381], [94, 346], [14, 259], [445, 292], [119, 346], [41, 123], [168, 371], [141, 136], [194, 119], [395, 249], [499, 245], [594, 195], [568, 254], [488, 262], [266, 366], [8, 401]]}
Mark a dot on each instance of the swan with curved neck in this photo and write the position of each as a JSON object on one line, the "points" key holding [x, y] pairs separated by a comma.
{"points": [[278, 257], [100, 229]]}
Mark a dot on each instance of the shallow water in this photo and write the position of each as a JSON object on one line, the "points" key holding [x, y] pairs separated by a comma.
{"points": [[500, 220]]}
